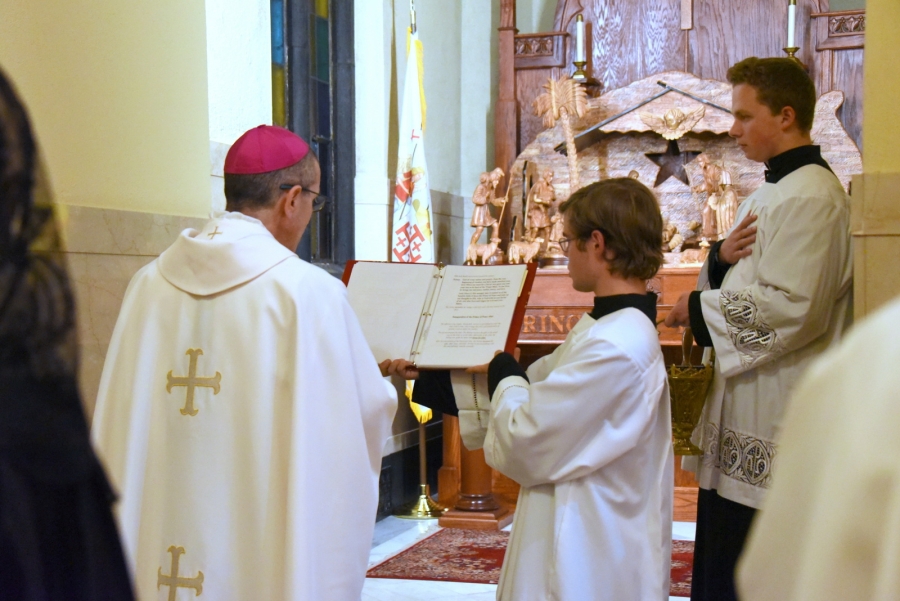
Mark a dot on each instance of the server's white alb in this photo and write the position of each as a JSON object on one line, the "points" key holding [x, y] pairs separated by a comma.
{"points": [[590, 441], [241, 417]]}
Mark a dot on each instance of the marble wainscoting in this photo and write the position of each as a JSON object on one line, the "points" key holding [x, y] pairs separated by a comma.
{"points": [[451, 226], [105, 248]]}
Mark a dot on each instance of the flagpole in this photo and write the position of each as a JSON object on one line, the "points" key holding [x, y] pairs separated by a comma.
{"points": [[423, 508]]}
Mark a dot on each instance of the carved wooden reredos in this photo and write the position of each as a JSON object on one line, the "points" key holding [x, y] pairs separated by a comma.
{"points": [[622, 144], [631, 40]]}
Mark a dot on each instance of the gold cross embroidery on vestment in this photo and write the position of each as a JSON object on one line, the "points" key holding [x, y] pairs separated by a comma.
{"points": [[192, 381], [214, 233], [174, 581]]}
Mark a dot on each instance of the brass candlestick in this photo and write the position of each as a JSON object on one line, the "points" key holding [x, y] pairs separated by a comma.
{"points": [[792, 52], [579, 75], [424, 508]]}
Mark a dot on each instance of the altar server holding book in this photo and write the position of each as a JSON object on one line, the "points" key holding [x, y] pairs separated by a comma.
{"points": [[586, 430]]}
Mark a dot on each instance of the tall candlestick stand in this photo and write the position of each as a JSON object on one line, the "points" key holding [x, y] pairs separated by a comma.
{"points": [[423, 508]]}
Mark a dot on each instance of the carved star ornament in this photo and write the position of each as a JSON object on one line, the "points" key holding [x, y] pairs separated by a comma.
{"points": [[671, 163], [672, 126]]}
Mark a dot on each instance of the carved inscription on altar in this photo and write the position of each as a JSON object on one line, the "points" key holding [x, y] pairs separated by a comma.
{"points": [[554, 307], [550, 324]]}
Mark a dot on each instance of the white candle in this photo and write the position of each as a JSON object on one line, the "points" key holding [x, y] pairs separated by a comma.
{"points": [[579, 39], [792, 19]]}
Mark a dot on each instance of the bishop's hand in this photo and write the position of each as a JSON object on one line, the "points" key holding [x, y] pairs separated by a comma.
{"points": [[400, 368]]}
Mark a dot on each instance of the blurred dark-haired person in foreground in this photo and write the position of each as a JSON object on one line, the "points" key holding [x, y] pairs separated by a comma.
{"points": [[58, 539]]}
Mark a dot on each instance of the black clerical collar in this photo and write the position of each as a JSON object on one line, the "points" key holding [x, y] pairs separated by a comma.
{"points": [[789, 161], [645, 303]]}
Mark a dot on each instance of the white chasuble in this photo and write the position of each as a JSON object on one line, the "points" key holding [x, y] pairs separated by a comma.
{"points": [[776, 311], [830, 526], [589, 438], [241, 417]]}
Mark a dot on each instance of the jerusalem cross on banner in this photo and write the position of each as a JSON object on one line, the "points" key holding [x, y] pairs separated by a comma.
{"points": [[412, 240]]}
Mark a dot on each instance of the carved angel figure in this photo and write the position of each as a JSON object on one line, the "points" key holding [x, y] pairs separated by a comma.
{"points": [[564, 99], [674, 123]]}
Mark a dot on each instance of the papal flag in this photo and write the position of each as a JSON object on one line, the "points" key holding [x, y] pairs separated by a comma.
{"points": [[412, 240]]}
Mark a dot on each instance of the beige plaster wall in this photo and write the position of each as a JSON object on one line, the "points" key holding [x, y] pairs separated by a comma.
{"points": [[117, 93]]}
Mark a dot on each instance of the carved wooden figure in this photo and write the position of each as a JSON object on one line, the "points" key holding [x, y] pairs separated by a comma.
{"points": [[481, 216], [482, 252], [540, 199], [727, 207], [712, 175], [556, 234], [524, 251], [674, 123], [672, 240]]}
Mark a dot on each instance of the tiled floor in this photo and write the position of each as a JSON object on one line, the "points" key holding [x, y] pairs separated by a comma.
{"points": [[392, 535]]}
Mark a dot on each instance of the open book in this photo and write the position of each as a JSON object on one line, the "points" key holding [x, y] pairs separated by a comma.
{"points": [[439, 317]]}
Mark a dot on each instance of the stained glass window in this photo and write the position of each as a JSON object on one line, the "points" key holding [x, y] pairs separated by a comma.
{"points": [[310, 100], [279, 116]]}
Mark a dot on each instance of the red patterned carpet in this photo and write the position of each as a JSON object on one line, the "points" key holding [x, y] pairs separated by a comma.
{"points": [[476, 556]]}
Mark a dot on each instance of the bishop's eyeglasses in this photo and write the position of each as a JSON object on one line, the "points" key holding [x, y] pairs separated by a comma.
{"points": [[319, 200]]}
